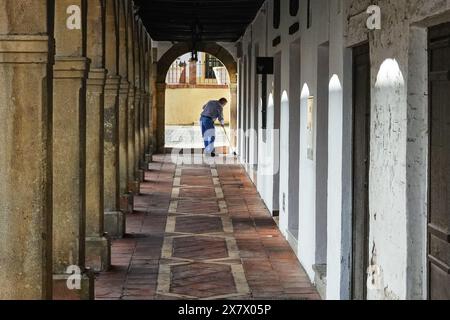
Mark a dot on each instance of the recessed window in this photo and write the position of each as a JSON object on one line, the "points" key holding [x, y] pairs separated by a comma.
{"points": [[294, 5], [276, 14]]}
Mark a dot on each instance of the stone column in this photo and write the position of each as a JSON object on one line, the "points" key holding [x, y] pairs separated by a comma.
{"points": [[69, 149], [114, 217], [126, 203], [133, 182], [143, 101], [140, 174], [137, 125], [25, 167], [98, 244], [150, 100], [126, 198], [161, 100], [154, 96], [146, 117]]}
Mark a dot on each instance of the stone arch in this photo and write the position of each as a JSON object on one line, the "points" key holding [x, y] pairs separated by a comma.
{"points": [[209, 47], [163, 66]]}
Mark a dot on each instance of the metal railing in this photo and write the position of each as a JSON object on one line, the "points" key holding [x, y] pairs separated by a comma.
{"points": [[198, 73]]}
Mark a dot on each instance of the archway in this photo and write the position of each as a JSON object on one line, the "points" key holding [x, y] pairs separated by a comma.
{"points": [[163, 67]]}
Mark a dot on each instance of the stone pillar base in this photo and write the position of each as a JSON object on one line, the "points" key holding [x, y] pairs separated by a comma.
{"points": [[61, 290], [140, 175], [149, 158], [115, 224], [127, 203], [144, 165], [98, 253], [134, 187]]}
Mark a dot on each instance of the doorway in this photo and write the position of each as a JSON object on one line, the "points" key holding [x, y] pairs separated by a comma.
{"points": [[361, 161], [439, 177]]}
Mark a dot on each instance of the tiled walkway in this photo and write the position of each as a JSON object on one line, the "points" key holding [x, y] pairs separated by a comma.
{"points": [[201, 232]]}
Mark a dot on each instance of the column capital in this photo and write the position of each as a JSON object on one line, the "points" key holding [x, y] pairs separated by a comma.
{"points": [[21, 49], [124, 87], [137, 93], [70, 67], [112, 83], [131, 91], [97, 78]]}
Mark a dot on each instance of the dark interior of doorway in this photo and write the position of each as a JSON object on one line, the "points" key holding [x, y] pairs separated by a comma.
{"points": [[361, 156]]}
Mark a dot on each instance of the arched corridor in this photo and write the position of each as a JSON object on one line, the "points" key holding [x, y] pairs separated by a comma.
{"points": [[202, 232], [332, 182]]}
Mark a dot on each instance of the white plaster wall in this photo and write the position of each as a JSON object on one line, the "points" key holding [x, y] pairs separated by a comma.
{"points": [[339, 160], [398, 163], [398, 138], [310, 40]]}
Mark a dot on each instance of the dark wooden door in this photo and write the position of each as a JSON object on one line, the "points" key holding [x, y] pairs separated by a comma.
{"points": [[361, 157], [439, 190]]}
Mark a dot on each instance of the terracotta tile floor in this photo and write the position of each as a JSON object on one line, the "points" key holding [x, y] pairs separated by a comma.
{"points": [[201, 232]]}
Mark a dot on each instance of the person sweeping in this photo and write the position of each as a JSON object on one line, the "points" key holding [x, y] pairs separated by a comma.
{"points": [[212, 111]]}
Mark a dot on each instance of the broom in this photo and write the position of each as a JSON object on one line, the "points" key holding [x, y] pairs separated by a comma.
{"points": [[229, 142]]}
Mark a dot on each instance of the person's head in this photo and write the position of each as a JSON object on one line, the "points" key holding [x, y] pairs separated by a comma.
{"points": [[223, 102]]}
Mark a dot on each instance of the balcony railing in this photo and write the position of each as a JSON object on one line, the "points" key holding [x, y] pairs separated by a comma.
{"points": [[198, 73]]}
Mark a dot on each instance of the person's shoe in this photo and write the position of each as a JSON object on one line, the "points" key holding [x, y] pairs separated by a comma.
{"points": [[213, 154]]}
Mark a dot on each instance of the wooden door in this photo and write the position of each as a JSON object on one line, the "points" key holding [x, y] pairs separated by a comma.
{"points": [[361, 160], [439, 189]]}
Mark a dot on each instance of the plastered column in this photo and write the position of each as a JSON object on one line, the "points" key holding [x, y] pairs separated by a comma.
{"points": [[98, 244], [114, 217], [69, 150], [25, 166]]}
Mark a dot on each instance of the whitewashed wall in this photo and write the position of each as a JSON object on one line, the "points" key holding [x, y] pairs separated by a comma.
{"points": [[261, 31]]}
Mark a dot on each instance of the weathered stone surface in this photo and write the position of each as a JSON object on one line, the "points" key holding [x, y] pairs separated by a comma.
{"points": [[111, 144], [126, 203], [115, 224], [98, 253], [123, 135], [69, 147], [137, 126], [25, 205], [94, 152], [131, 137]]}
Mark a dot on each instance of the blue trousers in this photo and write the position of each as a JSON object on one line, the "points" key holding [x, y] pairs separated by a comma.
{"points": [[208, 133]]}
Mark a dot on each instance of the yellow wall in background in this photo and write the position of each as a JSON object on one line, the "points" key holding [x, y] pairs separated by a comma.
{"points": [[184, 105]]}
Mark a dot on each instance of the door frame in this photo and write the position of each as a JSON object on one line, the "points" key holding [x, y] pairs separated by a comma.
{"points": [[362, 46]]}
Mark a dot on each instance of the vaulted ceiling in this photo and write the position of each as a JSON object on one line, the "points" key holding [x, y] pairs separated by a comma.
{"points": [[201, 20]]}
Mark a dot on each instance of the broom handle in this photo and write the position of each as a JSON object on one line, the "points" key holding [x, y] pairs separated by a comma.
{"points": [[226, 135]]}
